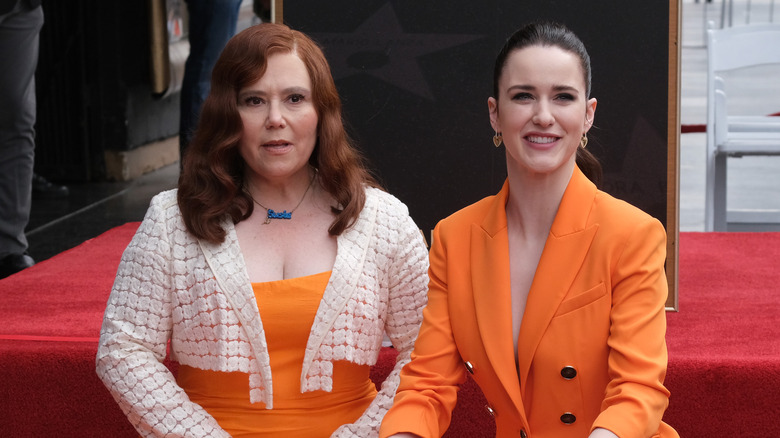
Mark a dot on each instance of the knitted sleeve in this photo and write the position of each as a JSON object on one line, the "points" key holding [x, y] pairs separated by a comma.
{"points": [[136, 328], [407, 280]]}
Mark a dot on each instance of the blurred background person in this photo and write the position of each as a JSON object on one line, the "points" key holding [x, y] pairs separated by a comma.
{"points": [[211, 24], [20, 25]]}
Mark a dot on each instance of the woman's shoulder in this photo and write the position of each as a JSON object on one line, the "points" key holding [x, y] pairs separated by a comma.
{"points": [[165, 199], [610, 207], [162, 218], [164, 205], [385, 201], [621, 217], [471, 213]]}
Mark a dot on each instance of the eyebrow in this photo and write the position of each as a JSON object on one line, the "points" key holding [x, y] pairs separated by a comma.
{"points": [[286, 91], [522, 87]]}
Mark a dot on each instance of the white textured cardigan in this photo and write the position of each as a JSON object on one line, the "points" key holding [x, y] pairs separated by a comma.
{"points": [[197, 295]]}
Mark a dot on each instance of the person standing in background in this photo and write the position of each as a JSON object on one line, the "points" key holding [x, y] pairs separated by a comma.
{"points": [[20, 25], [211, 24]]}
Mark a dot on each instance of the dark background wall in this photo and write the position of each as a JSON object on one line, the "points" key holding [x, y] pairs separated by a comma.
{"points": [[415, 77]]}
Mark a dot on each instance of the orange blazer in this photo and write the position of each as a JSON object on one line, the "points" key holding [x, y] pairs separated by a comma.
{"points": [[591, 345]]}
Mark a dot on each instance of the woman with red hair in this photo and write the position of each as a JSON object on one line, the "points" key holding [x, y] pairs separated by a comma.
{"points": [[272, 273]]}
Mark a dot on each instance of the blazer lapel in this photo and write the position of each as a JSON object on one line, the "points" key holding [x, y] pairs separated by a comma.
{"points": [[229, 269], [492, 294], [346, 272], [564, 252]]}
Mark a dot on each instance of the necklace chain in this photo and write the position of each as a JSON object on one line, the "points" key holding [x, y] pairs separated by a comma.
{"points": [[271, 214]]}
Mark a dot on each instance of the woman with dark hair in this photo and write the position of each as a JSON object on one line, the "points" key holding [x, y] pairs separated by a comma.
{"points": [[273, 273], [551, 293]]}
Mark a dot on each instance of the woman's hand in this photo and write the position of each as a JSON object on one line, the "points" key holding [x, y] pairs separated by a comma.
{"points": [[602, 433]]}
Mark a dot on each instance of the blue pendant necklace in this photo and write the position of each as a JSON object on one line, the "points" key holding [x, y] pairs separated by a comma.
{"points": [[270, 214]]}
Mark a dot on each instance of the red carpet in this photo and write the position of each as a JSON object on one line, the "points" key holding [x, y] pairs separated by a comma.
{"points": [[724, 344], [51, 315]]}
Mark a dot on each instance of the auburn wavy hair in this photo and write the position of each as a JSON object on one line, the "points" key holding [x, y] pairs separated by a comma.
{"points": [[211, 184]]}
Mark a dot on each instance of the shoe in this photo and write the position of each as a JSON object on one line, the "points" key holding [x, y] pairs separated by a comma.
{"points": [[42, 188], [13, 263]]}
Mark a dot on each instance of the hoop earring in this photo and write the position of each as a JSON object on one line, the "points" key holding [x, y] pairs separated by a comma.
{"points": [[497, 139], [584, 141]]}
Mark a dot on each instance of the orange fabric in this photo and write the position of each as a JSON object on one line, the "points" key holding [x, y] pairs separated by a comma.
{"points": [[287, 309], [596, 304]]}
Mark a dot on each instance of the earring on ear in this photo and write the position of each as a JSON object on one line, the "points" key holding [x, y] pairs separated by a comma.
{"points": [[497, 139], [584, 140]]}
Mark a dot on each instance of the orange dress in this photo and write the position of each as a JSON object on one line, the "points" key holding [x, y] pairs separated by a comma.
{"points": [[287, 308]]}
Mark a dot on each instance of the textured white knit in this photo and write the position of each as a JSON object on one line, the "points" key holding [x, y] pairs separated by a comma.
{"points": [[197, 295]]}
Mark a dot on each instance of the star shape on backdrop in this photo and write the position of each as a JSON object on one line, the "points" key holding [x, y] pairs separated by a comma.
{"points": [[379, 47]]}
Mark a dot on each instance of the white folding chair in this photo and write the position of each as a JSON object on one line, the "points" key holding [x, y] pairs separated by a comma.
{"points": [[736, 136]]}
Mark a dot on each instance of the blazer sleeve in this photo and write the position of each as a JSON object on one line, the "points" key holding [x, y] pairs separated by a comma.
{"points": [[429, 383], [136, 328], [407, 284], [635, 397]]}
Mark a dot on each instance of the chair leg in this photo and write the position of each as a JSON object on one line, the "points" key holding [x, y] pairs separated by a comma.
{"points": [[720, 209], [709, 181]]}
